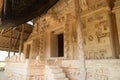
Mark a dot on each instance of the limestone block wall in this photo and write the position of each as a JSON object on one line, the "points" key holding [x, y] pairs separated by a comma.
{"points": [[35, 69], [25, 70], [72, 69], [95, 69]]}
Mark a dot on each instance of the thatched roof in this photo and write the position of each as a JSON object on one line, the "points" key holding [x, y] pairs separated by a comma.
{"points": [[16, 12], [6, 37]]}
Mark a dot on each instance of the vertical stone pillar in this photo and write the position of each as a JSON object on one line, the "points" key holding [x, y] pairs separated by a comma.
{"points": [[113, 35], [80, 42], [116, 11]]}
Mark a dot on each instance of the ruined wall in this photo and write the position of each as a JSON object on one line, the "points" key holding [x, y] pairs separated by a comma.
{"points": [[97, 35], [61, 18]]}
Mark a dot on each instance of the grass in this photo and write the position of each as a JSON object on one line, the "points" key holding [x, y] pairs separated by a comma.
{"points": [[2, 64]]}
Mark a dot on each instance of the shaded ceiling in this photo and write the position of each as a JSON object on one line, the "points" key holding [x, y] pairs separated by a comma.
{"points": [[16, 12]]}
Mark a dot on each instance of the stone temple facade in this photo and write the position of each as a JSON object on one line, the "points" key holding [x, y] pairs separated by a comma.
{"points": [[74, 40]]}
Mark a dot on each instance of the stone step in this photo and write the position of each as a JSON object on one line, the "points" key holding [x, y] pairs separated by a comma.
{"points": [[56, 70], [54, 67], [56, 73], [58, 79], [59, 75], [62, 79]]}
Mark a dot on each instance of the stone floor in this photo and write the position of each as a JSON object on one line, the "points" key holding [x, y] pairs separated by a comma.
{"points": [[2, 76]]}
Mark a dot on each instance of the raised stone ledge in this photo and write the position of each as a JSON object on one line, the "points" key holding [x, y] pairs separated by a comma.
{"points": [[117, 4], [105, 69]]}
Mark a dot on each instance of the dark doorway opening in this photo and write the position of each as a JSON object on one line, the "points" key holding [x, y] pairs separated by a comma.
{"points": [[60, 45], [28, 51]]}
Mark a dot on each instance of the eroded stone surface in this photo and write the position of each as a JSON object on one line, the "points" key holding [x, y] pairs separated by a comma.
{"points": [[97, 35]]}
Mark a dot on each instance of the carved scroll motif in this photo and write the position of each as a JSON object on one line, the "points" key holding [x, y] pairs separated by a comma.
{"points": [[70, 37], [96, 34], [100, 73], [67, 41], [42, 39], [83, 4]]}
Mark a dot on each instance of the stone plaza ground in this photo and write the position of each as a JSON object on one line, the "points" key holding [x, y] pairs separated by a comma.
{"points": [[2, 76]]}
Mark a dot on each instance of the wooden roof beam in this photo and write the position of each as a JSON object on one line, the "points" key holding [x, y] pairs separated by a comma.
{"points": [[8, 37]]}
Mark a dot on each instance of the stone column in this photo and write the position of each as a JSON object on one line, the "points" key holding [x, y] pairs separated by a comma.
{"points": [[80, 42], [113, 35], [68, 37], [116, 11]]}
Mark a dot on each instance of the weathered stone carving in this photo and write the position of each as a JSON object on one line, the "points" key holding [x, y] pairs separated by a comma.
{"points": [[83, 4], [70, 39], [42, 45], [96, 32]]}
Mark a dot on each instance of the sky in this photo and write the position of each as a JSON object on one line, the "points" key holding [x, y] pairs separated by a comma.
{"points": [[3, 55], [30, 22]]}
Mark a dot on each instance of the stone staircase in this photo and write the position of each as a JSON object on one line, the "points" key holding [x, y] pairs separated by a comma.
{"points": [[55, 73]]}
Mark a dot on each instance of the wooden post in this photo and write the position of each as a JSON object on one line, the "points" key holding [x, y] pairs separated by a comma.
{"points": [[16, 42], [1, 4], [80, 42], [4, 10], [21, 40], [14, 52], [9, 52], [10, 44], [14, 48]]}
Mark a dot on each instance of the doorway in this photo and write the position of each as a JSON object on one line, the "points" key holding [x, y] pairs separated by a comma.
{"points": [[57, 45], [60, 45], [28, 50]]}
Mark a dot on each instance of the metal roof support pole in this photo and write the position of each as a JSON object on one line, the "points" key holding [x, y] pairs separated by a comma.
{"points": [[10, 44], [80, 42], [21, 40]]}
